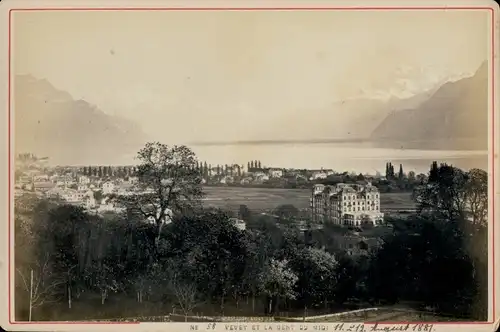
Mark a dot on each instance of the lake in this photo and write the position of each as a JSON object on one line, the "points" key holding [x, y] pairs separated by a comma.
{"points": [[359, 158]]}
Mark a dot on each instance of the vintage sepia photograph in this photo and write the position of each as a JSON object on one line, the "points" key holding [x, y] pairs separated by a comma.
{"points": [[251, 166]]}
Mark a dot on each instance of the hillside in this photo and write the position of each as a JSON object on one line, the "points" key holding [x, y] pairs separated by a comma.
{"points": [[49, 122], [454, 118], [348, 119]]}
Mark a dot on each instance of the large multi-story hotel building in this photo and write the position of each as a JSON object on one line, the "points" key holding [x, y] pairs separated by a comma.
{"points": [[345, 204]]}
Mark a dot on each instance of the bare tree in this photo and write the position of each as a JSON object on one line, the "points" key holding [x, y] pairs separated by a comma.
{"points": [[42, 284], [168, 181], [186, 294], [69, 284]]}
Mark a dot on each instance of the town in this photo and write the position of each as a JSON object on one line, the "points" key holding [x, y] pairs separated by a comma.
{"points": [[342, 226], [91, 188]]}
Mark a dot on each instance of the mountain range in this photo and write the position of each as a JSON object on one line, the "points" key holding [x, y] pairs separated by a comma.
{"points": [[50, 123], [454, 117]]}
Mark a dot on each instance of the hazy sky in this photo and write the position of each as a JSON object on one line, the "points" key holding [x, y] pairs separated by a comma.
{"points": [[184, 74]]}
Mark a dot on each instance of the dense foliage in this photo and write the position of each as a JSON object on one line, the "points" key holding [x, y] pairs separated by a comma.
{"points": [[201, 261]]}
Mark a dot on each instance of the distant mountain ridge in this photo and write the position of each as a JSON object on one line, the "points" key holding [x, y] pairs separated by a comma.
{"points": [[455, 117], [49, 122], [347, 119]]}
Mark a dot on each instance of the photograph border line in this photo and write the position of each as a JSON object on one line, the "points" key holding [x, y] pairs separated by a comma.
{"points": [[328, 8]]}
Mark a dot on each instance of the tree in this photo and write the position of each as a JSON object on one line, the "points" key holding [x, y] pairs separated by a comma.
{"points": [[205, 169], [278, 281], [315, 269], [98, 195], [433, 173], [401, 173], [103, 277], [213, 253], [411, 176], [444, 193], [286, 212], [186, 294], [456, 201], [477, 196], [42, 285], [389, 171], [256, 259], [167, 182], [348, 274], [244, 213]]}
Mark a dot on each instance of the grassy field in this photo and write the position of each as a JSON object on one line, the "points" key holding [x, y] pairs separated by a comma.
{"points": [[261, 199]]}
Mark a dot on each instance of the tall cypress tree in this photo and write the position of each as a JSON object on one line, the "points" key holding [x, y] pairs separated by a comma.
{"points": [[434, 172]]}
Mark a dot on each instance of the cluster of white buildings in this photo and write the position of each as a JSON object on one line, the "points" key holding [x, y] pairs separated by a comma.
{"points": [[92, 194], [346, 204], [257, 176]]}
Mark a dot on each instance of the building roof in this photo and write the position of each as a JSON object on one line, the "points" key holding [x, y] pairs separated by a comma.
{"points": [[44, 185]]}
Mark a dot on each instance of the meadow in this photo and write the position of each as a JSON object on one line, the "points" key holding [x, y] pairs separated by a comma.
{"points": [[265, 199]]}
